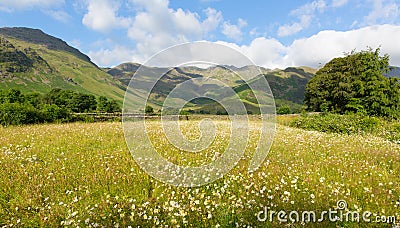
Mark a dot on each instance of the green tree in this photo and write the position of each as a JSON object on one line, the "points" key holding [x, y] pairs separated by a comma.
{"points": [[35, 99], [113, 106], [52, 113], [59, 97], [284, 109], [355, 83], [149, 110], [17, 114], [105, 105], [102, 104], [14, 96], [57, 105], [83, 103]]}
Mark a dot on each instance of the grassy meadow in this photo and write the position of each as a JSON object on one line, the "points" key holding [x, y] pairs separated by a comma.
{"points": [[82, 174]]}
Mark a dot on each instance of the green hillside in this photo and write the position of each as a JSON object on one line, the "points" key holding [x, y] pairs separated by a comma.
{"points": [[33, 61], [287, 85], [36, 36]]}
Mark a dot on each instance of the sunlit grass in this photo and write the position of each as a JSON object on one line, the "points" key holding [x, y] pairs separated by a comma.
{"points": [[83, 174]]}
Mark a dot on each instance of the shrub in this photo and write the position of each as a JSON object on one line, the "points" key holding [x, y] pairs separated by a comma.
{"points": [[335, 123], [349, 124], [53, 113], [285, 109], [17, 114]]}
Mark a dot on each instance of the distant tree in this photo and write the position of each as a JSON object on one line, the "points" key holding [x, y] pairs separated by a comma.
{"points": [[50, 97], [113, 106], [221, 112], [14, 96], [59, 97], [17, 114], [55, 106], [149, 110], [35, 99], [102, 104], [83, 103], [184, 112], [284, 109], [105, 105], [52, 113], [3, 96], [355, 83]]}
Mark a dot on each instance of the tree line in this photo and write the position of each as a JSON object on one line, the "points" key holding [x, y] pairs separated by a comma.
{"points": [[55, 106]]}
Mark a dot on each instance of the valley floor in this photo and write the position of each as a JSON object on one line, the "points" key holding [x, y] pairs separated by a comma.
{"points": [[83, 174]]}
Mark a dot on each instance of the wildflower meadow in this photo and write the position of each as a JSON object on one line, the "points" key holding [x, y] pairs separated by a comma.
{"points": [[82, 174]]}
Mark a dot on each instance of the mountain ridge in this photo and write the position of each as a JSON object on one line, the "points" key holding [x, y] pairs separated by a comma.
{"points": [[287, 85], [37, 36], [42, 66]]}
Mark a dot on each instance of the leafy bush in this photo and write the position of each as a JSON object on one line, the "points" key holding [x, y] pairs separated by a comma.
{"points": [[149, 110], [349, 124], [105, 105], [53, 113], [285, 109], [294, 107], [335, 123], [17, 114]]}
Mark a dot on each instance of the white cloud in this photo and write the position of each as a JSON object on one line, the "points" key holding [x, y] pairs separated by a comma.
{"points": [[310, 8], [234, 31], [156, 26], [254, 32], [102, 16], [312, 51], [383, 11], [354, 24], [322, 47], [304, 14], [112, 56], [265, 52], [339, 3], [9, 5], [262, 51], [326, 45], [59, 15], [213, 19], [287, 30], [5, 9]]}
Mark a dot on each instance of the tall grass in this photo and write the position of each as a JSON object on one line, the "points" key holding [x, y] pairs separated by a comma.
{"points": [[81, 174], [348, 124]]}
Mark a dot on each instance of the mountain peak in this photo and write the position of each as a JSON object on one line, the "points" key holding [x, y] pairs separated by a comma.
{"points": [[37, 36]]}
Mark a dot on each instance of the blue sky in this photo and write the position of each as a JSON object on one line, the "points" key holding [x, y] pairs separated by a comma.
{"points": [[274, 34]]}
